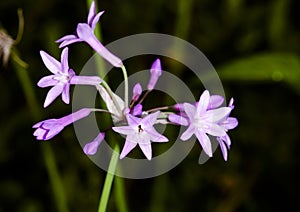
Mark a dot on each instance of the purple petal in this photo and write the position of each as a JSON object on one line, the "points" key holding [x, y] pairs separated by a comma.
{"points": [[53, 93], [68, 42], [178, 119], [155, 74], [223, 149], [64, 60], [215, 101], [128, 146], [47, 81], [92, 12], [53, 132], [150, 119], [51, 63], [155, 136], [137, 91], [66, 94], [91, 147], [66, 38], [190, 110], [95, 20], [137, 110], [132, 120], [125, 130], [188, 133], [230, 123], [216, 115], [203, 103], [147, 150], [205, 142], [85, 80], [214, 129]]}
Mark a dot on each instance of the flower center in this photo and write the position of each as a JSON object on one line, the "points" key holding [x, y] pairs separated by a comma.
{"points": [[140, 129], [62, 77]]}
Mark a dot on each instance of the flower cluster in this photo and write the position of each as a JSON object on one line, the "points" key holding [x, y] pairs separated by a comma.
{"points": [[203, 118]]}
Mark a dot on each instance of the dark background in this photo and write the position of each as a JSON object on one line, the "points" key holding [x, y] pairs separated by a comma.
{"points": [[254, 46]]}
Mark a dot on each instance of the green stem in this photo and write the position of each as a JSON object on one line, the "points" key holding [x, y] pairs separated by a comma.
{"points": [[126, 85], [109, 179], [120, 195], [56, 182]]}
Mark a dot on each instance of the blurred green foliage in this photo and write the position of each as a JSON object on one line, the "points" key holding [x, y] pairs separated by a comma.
{"points": [[254, 46]]}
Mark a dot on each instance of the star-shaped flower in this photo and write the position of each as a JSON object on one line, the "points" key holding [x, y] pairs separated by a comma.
{"points": [[140, 131], [85, 32], [203, 121], [62, 77]]}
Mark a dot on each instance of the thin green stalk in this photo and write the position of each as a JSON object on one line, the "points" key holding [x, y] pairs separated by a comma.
{"points": [[126, 85], [56, 182], [109, 179], [120, 195]]}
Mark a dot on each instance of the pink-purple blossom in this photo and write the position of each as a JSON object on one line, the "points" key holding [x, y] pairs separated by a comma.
{"points": [[92, 147], [47, 129], [61, 79], [155, 72], [85, 32], [140, 131]]}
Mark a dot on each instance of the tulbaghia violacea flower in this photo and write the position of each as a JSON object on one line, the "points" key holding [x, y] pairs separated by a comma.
{"points": [[47, 129], [62, 77], [203, 122], [91, 147], [155, 72], [140, 131], [85, 32], [228, 123]]}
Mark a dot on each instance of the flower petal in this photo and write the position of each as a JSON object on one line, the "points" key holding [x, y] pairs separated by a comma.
{"points": [[92, 12], [216, 115], [64, 60], [230, 123], [147, 150], [66, 94], [47, 81], [50, 62], [128, 146], [214, 129], [203, 103], [91, 147], [95, 20], [190, 110], [150, 120], [53, 93], [188, 133], [125, 130], [205, 142], [155, 136], [215, 101], [174, 118], [223, 149]]}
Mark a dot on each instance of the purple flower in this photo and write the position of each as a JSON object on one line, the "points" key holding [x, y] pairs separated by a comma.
{"points": [[203, 121], [140, 131], [62, 77], [91, 147], [85, 32], [155, 74], [136, 92], [49, 128]]}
